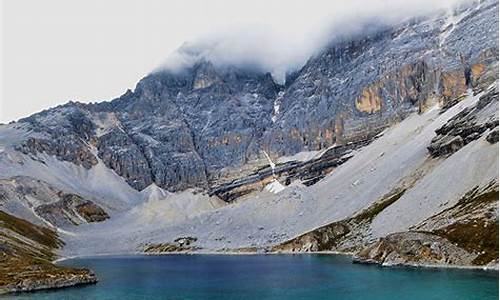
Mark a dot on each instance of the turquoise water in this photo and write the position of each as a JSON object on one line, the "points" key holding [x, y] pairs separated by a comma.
{"points": [[268, 277]]}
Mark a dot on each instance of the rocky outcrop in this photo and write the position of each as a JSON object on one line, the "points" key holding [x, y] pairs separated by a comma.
{"points": [[44, 279], [369, 101], [71, 209], [307, 172], [38, 200], [181, 244], [26, 252], [412, 84], [120, 153], [462, 235], [492, 137], [484, 71], [465, 127], [414, 248], [453, 84], [184, 129], [63, 132]]}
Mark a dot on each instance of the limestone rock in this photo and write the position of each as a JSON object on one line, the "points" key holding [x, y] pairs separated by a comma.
{"points": [[184, 129], [465, 127], [414, 248], [71, 209], [181, 244], [492, 137]]}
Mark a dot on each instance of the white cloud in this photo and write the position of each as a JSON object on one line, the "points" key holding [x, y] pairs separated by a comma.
{"points": [[93, 50], [280, 47]]}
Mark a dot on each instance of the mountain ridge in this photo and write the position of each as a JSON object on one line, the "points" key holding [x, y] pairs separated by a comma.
{"points": [[225, 116], [383, 146]]}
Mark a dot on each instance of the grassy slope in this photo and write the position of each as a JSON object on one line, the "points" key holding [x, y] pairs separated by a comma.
{"points": [[26, 255]]}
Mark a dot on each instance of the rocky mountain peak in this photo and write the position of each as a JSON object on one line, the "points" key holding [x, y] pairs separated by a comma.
{"points": [[204, 75], [187, 127]]}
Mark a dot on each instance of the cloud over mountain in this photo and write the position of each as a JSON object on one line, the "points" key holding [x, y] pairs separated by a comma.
{"points": [[280, 48]]}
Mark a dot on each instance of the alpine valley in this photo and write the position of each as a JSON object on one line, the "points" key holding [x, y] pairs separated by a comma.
{"points": [[384, 145]]}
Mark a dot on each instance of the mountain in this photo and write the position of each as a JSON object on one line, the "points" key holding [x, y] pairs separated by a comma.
{"points": [[384, 144]]}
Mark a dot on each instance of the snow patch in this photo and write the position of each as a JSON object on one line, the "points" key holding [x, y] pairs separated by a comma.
{"points": [[276, 106], [274, 187]]}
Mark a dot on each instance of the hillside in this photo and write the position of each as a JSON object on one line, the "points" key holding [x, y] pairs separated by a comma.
{"points": [[383, 145]]}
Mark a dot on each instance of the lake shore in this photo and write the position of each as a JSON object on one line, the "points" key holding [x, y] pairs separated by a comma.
{"points": [[247, 253]]}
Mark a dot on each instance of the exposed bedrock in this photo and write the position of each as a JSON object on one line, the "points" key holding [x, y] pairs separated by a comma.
{"points": [[186, 129], [414, 248], [180, 244], [71, 209], [492, 137], [120, 153], [64, 132], [36, 200], [467, 126], [462, 235], [307, 172]]}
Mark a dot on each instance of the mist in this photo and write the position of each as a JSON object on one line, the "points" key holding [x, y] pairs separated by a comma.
{"points": [[92, 50], [283, 48]]}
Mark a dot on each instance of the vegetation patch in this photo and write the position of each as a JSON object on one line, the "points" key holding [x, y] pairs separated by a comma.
{"points": [[26, 254], [475, 223], [368, 214], [41, 235], [477, 236], [328, 237]]}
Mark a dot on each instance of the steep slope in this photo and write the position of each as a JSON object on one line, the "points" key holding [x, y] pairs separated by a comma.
{"points": [[435, 212], [378, 192], [205, 123], [26, 252], [381, 145]]}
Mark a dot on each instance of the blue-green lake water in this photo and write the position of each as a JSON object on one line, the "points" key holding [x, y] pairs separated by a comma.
{"points": [[267, 277]]}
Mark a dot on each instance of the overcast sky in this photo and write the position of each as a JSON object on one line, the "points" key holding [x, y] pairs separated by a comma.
{"points": [[54, 51]]}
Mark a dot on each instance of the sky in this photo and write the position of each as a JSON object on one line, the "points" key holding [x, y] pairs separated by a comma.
{"points": [[54, 51]]}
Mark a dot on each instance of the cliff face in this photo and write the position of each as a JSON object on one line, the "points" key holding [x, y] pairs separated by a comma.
{"points": [[188, 128], [384, 144], [462, 232]]}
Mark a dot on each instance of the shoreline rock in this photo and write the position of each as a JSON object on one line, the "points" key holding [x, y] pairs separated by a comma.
{"points": [[68, 280]]}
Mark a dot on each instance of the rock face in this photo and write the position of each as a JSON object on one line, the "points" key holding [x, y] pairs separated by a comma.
{"points": [[26, 252], [35, 200], [414, 248], [181, 244], [65, 133], [188, 128], [463, 235], [467, 126], [308, 172], [73, 209], [492, 137]]}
